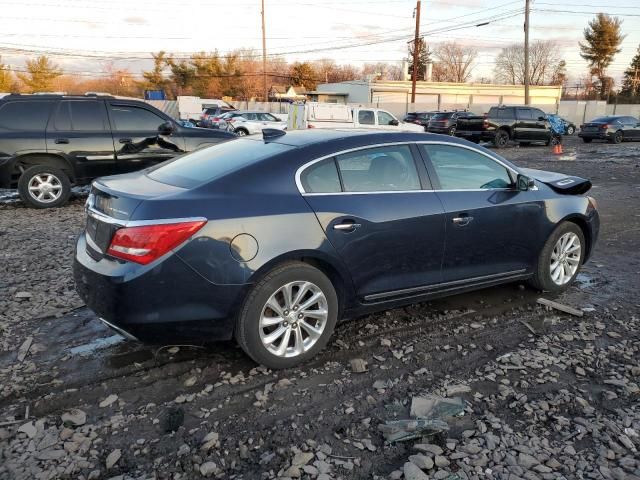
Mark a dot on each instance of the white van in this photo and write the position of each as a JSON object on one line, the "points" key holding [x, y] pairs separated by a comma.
{"points": [[334, 115]]}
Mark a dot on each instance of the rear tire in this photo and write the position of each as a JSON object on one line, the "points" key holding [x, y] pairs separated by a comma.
{"points": [[452, 131], [42, 186], [241, 132], [618, 137], [571, 130], [268, 318], [501, 139], [554, 271]]}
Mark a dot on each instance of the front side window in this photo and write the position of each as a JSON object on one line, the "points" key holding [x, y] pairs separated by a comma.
{"points": [[131, 118], [267, 117], [384, 118], [249, 116], [365, 117], [86, 115], [459, 168], [381, 169], [25, 116], [525, 114], [321, 177]]}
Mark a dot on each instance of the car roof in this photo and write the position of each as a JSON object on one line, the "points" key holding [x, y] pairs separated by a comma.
{"points": [[314, 136]]}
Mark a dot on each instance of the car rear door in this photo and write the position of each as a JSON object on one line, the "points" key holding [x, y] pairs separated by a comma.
{"points": [[137, 138], [525, 124], [79, 130], [379, 212], [492, 229]]}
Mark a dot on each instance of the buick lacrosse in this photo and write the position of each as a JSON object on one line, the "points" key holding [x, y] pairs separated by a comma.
{"points": [[273, 240]]}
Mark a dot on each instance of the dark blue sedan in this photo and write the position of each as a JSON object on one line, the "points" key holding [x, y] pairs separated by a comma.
{"points": [[273, 240]]}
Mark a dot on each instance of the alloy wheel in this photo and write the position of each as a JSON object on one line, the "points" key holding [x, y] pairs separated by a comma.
{"points": [[241, 133], [293, 319], [565, 258], [45, 187]]}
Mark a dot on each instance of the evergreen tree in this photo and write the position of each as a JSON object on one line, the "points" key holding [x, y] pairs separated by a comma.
{"points": [[40, 74], [603, 40], [631, 82], [424, 57]]}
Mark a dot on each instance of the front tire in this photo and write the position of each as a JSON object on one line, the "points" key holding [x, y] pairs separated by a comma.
{"points": [[452, 131], [288, 317], [560, 259], [571, 130], [42, 186]]}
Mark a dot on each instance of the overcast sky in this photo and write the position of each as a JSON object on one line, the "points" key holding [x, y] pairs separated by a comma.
{"points": [[87, 34]]}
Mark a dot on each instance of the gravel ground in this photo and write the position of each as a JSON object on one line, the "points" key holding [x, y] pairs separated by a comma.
{"points": [[544, 394]]}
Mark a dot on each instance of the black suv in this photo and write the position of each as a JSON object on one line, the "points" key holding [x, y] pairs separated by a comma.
{"points": [[503, 124], [50, 142], [446, 122], [419, 118]]}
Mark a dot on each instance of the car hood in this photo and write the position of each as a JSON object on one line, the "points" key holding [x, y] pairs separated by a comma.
{"points": [[559, 182]]}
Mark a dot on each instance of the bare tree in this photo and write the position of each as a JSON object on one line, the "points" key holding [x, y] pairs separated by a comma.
{"points": [[543, 61], [455, 62]]}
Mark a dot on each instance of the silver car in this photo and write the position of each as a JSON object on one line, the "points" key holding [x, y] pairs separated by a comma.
{"points": [[249, 122]]}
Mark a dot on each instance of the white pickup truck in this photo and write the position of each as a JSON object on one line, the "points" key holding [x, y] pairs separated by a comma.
{"points": [[333, 115]]}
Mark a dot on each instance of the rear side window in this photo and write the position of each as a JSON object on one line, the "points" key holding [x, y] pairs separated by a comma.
{"points": [[366, 117], [380, 169], [502, 112], [321, 177], [132, 118], [463, 169], [80, 116], [26, 116], [213, 162]]}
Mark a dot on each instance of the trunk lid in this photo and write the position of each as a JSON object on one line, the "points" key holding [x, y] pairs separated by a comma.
{"points": [[559, 182], [112, 202], [470, 123]]}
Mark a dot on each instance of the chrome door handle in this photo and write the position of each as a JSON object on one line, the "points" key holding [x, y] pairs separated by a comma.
{"points": [[462, 221], [346, 226]]}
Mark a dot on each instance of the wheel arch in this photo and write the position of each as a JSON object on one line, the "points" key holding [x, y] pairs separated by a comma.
{"points": [[32, 159], [337, 273]]}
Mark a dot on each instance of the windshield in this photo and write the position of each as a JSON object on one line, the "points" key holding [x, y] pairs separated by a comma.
{"points": [[441, 116], [213, 162], [604, 119]]}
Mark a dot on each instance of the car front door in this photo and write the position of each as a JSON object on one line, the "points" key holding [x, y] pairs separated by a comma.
{"points": [[79, 130], [631, 128], [137, 138], [493, 229], [386, 121], [525, 124], [541, 128], [384, 221], [270, 121]]}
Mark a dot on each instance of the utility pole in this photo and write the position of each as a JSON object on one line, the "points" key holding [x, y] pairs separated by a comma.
{"points": [[527, 100], [264, 58], [416, 52]]}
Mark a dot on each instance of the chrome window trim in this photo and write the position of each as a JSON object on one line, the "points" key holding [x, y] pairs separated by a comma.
{"points": [[301, 169]]}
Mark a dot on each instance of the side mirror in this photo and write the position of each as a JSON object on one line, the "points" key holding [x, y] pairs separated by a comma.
{"points": [[166, 128], [541, 119], [394, 122], [524, 183]]}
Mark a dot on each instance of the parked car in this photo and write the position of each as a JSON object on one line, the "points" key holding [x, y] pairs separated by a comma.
{"points": [[335, 115], [614, 129], [250, 122], [50, 142], [273, 239], [446, 122], [419, 118], [563, 126], [212, 115], [219, 121], [503, 124]]}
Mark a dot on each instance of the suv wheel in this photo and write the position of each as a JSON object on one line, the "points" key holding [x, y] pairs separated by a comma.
{"points": [[452, 130], [241, 132], [501, 139], [560, 259], [571, 130], [288, 317], [42, 186]]}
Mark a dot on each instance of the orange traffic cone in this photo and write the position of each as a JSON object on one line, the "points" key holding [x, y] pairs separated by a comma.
{"points": [[560, 148], [557, 149]]}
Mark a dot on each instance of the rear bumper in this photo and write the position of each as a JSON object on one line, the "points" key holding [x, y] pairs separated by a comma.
{"points": [[157, 303], [479, 134], [594, 135], [444, 129]]}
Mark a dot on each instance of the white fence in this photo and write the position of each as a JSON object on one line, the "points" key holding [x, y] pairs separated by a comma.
{"points": [[576, 111]]}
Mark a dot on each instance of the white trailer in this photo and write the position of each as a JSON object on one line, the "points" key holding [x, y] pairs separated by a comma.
{"points": [[190, 108]]}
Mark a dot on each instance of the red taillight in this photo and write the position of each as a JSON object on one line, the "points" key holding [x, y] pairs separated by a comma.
{"points": [[310, 126], [604, 127], [146, 243]]}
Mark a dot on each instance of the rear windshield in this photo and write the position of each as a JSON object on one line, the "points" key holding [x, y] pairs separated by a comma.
{"points": [[442, 116], [606, 119], [213, 162]]}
